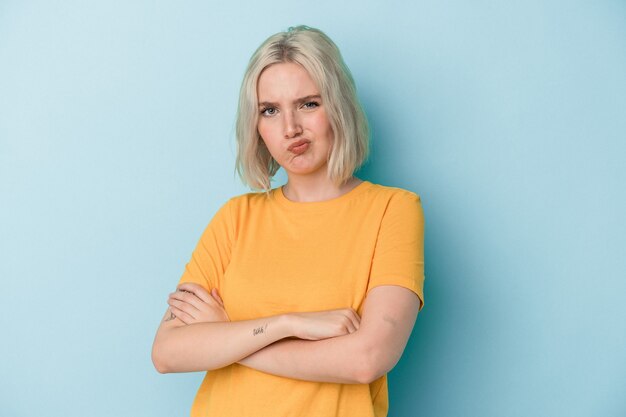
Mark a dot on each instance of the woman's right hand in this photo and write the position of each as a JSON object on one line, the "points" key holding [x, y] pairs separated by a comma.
{"points": [[325, 324]]}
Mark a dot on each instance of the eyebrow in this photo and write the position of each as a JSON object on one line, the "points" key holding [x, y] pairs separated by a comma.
{"points": [[297, 101]]}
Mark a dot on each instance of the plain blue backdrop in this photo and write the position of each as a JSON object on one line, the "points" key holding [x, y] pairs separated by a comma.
{"points": [[508, 118]]}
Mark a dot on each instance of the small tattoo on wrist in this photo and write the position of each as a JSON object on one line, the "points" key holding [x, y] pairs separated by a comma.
{"points": [[171, 317], [259, 330]]}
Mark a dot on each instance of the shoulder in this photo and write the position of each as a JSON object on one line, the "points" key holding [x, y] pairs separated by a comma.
{"points": [[396, 204], [238, 210], [245, 205], [393, 195], [248, 200]]}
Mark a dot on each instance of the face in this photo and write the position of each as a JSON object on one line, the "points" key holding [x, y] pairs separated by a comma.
{"points": [[292, 120]]}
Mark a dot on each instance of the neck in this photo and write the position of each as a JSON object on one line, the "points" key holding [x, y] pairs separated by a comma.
{"points": [[309, 189]]}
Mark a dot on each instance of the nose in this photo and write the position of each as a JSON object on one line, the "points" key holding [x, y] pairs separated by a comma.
{"points": [[292, 125]]}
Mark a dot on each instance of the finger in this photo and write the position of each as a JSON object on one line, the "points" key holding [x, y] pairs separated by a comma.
{"points": [[216, 296], [188, 298], [198, 290], [354, 318], [342, 323], [350, 325], [193, 288], [354, 314], [187, 308], [346, 327], [199, 299], [184, 317]]}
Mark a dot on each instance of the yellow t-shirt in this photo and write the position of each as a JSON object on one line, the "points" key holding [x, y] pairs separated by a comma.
{"points": [[268, 255]]}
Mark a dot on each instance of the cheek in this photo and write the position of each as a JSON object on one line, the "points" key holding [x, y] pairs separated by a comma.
{"points": [[324, 126], [261, 129], [267, 130], [266, 137], [264, 134]]}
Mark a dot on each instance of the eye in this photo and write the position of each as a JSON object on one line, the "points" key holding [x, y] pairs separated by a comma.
{"points": [[268, 111], [311, 105]]}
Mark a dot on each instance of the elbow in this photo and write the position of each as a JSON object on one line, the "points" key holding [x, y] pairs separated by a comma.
{"points": [[159, 365], [373, 364], [370, 366], [366, 374], [158, 359]]}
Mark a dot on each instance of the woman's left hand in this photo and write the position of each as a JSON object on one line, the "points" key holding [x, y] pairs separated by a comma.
{"points": [[191, 303]]}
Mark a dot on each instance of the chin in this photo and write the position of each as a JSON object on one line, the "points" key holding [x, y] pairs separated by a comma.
{"points": [[302, 172]]}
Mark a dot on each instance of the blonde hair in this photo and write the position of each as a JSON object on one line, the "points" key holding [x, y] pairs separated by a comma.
{"points": [[321, 58]]}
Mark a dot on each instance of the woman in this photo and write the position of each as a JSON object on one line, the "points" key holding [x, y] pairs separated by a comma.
{"points": [[298, 300]]}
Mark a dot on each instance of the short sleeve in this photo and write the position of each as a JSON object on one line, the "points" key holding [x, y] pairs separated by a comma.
{"points": [[211, 256], [399, 252]]}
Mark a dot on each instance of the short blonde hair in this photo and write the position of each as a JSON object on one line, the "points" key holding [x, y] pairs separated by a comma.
{"points": [[321, 58]]}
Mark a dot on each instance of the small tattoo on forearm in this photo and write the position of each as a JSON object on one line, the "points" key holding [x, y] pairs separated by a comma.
{"points": [[259, 330]]}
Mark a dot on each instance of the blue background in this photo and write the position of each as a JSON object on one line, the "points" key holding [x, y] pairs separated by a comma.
{"points": [[508, 118]]}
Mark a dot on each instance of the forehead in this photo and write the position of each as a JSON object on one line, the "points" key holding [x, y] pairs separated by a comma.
{"points": [[285, 81]]}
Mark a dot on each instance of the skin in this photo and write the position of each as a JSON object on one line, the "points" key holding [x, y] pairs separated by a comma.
{"points": [[187, 343], [371, 348], [325, 346], [291, 109]]}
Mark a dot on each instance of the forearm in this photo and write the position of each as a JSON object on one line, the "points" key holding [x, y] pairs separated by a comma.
{"points": [[345, 359], [207, 346], [360, 357]]}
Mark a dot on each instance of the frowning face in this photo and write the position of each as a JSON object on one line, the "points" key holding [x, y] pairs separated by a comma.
{"points": [[292, 120]]}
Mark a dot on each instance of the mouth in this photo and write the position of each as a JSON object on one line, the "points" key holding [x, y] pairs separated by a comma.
{"points": [[299, 147]]}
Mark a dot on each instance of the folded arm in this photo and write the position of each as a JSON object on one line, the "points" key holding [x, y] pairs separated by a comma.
{"points": [[389, 314], [199, 336], [205, 346]]}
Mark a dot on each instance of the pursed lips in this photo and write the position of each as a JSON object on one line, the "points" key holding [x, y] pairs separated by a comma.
{"points": [[298, 143]]}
